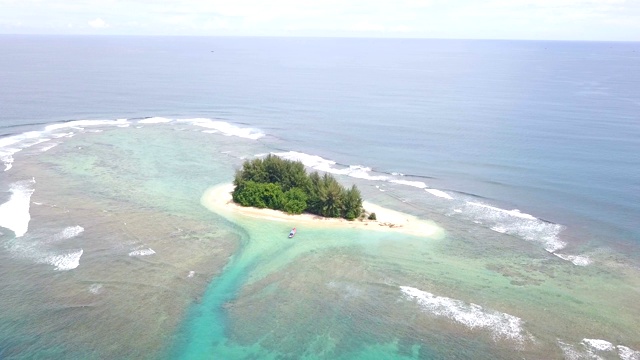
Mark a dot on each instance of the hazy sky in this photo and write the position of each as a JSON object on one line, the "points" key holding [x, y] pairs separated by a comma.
{"points": [[492, 19]]}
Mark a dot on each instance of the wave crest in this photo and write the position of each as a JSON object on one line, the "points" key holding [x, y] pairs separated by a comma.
{"points": [[14, 214], [501, 325], [63, 262]]}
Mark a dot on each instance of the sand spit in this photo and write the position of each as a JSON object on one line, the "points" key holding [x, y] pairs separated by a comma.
{"points": [[218, 199]]}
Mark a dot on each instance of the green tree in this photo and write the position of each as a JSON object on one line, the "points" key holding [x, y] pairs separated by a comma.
{"points": [[253, 170], [284, 185], [331, 196], [352, 203], [313, 190], [295, 201], [250, 193]]}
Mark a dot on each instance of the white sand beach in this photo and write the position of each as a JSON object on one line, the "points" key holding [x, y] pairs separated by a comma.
{"points": [[218, 199]]}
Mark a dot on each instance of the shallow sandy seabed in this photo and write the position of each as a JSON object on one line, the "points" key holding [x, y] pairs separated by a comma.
{"points": [[218, 199]]}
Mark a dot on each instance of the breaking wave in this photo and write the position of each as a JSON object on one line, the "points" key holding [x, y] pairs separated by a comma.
{"points": [[142, 252], [355, 171], [597, 344], [501, 325], [39, 253], [330, 166], [10, 145], [439, 193], [154, 120], [81, 124], [579, 260], [14, 214], [13, 144], [68, 233], [626, 353], [225, 128], [597, 349], [514, 222], [416, 184], [64, 262]]}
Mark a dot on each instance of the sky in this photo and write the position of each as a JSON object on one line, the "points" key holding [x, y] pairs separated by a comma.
{"points": [[598, 20]]}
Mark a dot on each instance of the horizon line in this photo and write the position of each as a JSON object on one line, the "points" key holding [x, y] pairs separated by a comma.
{"points": [[312, 37]]}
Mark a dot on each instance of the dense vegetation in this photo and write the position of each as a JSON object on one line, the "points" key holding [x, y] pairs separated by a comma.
{"points": [[280, 184]]}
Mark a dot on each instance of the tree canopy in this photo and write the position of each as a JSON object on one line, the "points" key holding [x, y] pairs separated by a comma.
{"points": [[281, 184]]}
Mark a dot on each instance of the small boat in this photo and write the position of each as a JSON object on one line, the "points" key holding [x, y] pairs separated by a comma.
{"points": [[292, 233]]}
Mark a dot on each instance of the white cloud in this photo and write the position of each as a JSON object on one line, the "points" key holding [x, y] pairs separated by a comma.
{"points": [[98, 24]]}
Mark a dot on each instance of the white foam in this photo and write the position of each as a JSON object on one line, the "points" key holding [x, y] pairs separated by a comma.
{"points": [[597, 344], [416, 184], [571, 353], [312, 161], [80, 124], [61, 135], [355, 171], [514, 222], [10, 145], [579, 260], [499, 229], [360, 172], [439, 193], [593, 348], [501, 325], [154, 120], [321, 164], [142, 252], [65, 262], [226, 128], [35, 251], [95, 289], [14, 214], [514, 212], [68, 233], [626, 353], [48, 147]]}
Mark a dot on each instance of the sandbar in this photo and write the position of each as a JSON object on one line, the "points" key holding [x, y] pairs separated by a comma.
{"points": [[218, 199]]}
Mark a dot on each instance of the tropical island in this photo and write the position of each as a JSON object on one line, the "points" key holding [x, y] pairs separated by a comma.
{"points": [[280, 190], [284, 185]]}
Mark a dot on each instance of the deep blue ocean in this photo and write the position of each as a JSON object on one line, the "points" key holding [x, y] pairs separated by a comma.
{"points": [[535, 139]]}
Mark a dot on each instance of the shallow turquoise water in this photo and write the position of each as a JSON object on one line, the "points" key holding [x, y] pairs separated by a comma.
{"points": [[220, 285]]}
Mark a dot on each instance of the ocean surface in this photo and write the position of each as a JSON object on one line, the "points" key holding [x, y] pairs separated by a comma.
{"points": [[525, 153]]}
